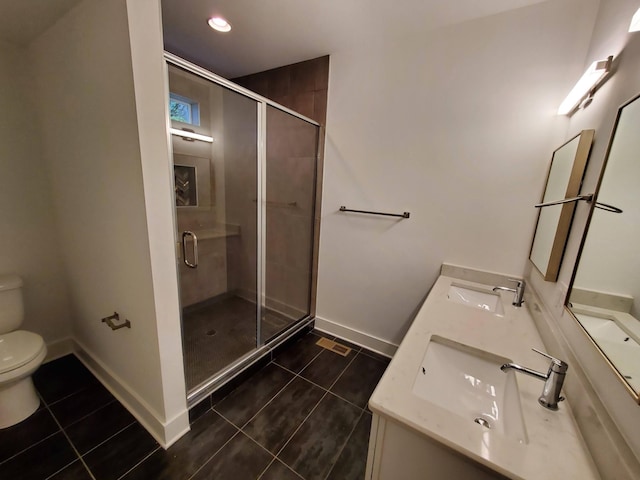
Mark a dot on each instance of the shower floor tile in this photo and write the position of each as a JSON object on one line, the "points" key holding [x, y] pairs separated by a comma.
{"points": [[276, 424], [218, 332]]}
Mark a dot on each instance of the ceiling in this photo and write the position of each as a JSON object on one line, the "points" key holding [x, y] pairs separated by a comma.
{"points": [[270, 33]]}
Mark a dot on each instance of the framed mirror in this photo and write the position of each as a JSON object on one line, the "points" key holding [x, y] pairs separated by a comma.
{"points": [[605, 290], [568, 164]]}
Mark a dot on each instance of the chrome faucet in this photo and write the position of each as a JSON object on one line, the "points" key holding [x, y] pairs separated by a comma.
{"points": [[553, 380], [518, 298]]}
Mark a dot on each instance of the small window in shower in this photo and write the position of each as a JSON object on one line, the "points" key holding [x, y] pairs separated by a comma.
{"points": [[183, 109]]}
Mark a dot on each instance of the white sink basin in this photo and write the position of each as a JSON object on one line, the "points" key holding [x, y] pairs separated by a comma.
{"points": [[475, 297], [617, 344], [468, 382]]}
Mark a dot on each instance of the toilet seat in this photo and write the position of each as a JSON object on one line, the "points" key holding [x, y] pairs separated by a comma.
{"points": [[19, 348]]}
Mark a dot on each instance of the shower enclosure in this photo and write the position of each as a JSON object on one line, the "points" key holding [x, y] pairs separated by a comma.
{"points": [[245, 181]]}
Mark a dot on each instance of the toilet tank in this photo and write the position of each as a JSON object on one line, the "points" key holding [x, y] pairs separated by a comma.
{"points": [[11, 305]]}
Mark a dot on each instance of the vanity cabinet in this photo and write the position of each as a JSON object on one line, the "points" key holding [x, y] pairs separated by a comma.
{"points": [[397, 452]]}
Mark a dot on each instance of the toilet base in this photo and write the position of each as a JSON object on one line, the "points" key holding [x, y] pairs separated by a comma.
{"points": [[18, 401]]}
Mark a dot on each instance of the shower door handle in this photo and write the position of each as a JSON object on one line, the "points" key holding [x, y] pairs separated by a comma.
{"points": [[186, 234]]}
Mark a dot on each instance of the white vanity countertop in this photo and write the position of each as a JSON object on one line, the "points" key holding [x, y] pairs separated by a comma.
{"points": [[554, 450]]}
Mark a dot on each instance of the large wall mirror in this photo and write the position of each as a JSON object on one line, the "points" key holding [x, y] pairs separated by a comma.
{"points": [[605, 293], [567, 168]]}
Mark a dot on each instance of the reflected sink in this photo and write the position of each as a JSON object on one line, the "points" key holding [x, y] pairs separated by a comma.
{"points": [[469, 383], [475, 297]]}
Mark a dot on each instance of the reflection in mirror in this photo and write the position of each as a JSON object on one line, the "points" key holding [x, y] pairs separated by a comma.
{"points": [[565, 176], [605, 294]]}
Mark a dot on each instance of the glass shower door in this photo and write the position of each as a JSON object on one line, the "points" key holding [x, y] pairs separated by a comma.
{"points": [[290, 179], [215, 154], [245, 176]]}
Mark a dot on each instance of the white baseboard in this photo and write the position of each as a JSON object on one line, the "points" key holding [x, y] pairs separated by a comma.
{"points": [[166, 432], [378, 345], [59, 348]]}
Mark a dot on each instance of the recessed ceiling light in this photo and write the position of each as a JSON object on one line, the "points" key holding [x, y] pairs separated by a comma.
{"points": [[219, 24]]}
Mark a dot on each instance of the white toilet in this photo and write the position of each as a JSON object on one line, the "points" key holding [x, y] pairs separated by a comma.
{"points": [[21, 353]]}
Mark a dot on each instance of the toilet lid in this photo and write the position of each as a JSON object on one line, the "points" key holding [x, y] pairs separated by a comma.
{"points": [[18, 348]]}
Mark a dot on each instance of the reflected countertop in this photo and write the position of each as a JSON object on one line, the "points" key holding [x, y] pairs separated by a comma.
{"points": [[555, 449], [217, 232]]}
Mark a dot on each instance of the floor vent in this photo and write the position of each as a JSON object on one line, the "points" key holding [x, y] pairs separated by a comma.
{"points": [[334, 346]]}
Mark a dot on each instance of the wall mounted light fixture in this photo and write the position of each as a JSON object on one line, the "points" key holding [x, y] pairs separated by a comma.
{"points": [[635, 22], [188, 134], [586, 86]]}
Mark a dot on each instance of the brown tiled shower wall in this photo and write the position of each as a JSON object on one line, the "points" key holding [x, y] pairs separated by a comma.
{"points": [[302, 87], [290, 175]]}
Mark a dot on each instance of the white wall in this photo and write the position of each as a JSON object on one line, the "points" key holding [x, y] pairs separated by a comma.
{"points": [[610, 37], [28, 237], [455, 126], [150, 83], [106, 145]]}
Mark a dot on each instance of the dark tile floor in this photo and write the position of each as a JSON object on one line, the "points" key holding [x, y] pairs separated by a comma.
{"points": [[301, 416]]}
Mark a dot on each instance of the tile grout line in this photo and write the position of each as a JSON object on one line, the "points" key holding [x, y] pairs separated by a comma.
{"points": [[370, 354], [333, 384], [267, 467], [270, 400], [109, 438], [199, 416], [91, 413], [355, 425], [274, 460], [273, 361], [70, 443], [30, 446], [60, 429], [217, 451], [273, 457], [299, 426], [225, 418], [362, 412], [347, 401], [140, 462], [326, 390], [295, 375], [336, 379], [316, 358], [113, 400], [305, 365], [61, 399], [342, 372], [261, 408], [289, 468]]}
